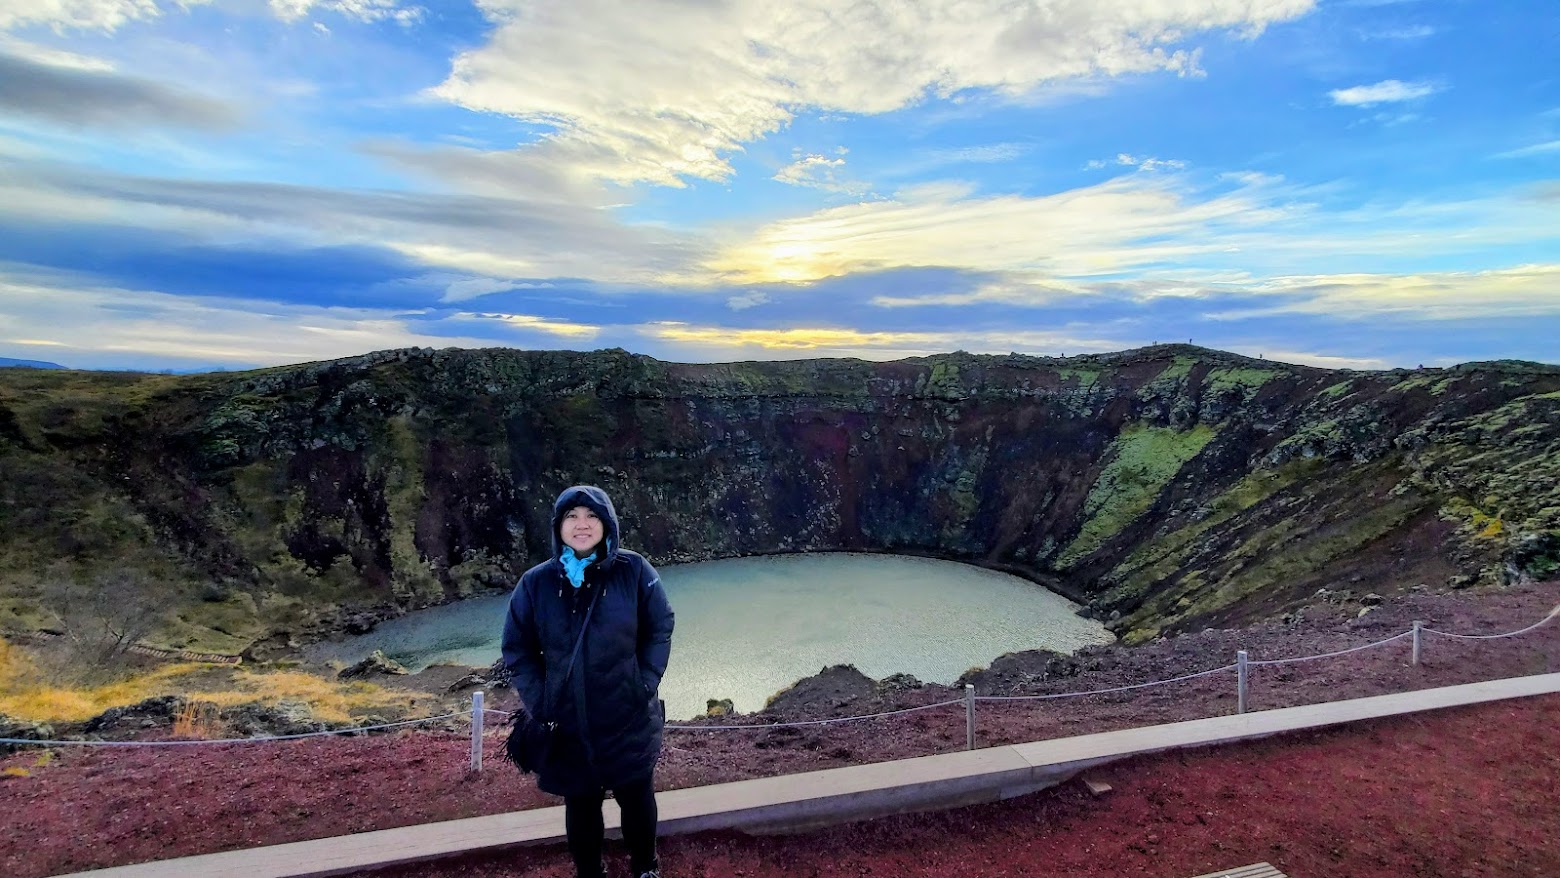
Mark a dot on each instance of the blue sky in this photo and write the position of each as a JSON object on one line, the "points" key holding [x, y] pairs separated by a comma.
{"points": [[238, 183]]}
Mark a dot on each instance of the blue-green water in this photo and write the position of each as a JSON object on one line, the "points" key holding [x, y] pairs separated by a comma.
{"points": [[748, 627]]}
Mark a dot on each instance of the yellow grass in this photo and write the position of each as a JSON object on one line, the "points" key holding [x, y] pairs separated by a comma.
{"points": [[25, 693], [197, 719], [330, 701]]}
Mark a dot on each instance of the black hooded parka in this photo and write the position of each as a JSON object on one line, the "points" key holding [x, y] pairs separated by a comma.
{"points": [[608, 714]]}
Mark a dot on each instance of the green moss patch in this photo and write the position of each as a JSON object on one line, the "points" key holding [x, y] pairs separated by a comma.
{"points": [[1142, 461], [1162, 558], [1220, 381]]}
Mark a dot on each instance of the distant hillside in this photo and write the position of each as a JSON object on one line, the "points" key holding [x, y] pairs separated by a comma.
{"points": [[1169, 488], [28, 364]]}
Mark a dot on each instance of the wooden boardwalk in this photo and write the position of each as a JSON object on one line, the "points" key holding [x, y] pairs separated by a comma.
{"points": [[799, 801]]}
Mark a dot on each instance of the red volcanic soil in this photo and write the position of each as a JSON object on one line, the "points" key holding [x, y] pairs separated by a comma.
{"points": [[1468, 792]]}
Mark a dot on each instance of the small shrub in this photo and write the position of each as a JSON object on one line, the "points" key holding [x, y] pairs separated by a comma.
{"points": [[198, 720]]}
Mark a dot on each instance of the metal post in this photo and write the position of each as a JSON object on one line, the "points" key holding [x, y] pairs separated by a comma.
{"points": [[476, 731], [969, 716], [1418, 626], [1240, 681]]}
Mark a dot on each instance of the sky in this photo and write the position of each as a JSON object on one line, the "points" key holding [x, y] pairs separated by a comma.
{"points": [[226, 184]]}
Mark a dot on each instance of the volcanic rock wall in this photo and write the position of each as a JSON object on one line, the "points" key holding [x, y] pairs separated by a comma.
{"points": [[1167, 487]]}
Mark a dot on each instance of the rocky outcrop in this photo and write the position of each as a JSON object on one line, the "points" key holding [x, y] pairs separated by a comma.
{"points": [[1169, 488], [377, 664], [270, 720], [152, 713], [21, 729]]}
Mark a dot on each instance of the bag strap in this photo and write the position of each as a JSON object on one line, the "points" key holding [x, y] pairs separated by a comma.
{"points": [[579, 641]]}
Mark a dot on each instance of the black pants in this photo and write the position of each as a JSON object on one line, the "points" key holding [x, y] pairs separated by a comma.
{"points": [[583, 824]]}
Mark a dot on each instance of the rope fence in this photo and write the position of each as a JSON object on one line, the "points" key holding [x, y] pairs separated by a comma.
{"points": [[259, 739], [478, 709]]}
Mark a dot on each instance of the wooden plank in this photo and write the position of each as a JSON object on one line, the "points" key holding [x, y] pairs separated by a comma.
{"points": [[1255, 870]]}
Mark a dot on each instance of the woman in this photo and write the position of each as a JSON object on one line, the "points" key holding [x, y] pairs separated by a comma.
{"points": [[608, 715]]}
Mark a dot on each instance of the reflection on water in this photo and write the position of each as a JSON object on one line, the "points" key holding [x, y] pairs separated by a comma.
{"points": [[749, 627]]}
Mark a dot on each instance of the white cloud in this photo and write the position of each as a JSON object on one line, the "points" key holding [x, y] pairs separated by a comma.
{"points": [[1136, 225], [110, 15], [750, 299], [1384, 92], [107, 15], [1408, 32], [51, 56], [1521, 291], [1144, 163], [668, 93], [1113, 226], [362, 10], [1311, 358], [96, 327], [819, 172], [994, 152], [474, 288], [928, 160]]}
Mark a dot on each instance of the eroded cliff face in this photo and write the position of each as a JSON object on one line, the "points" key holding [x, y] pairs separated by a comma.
{"points": [[1167, 488]]}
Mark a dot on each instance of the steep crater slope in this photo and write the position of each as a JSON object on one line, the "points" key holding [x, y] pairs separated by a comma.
{"points": [[1168, 488]]}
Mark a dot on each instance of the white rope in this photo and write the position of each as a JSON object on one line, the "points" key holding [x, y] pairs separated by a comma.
{"points": [[1539, 623], [1101, 691], [815, 722], [1312, 658], [820, 722], [256, 740], [782, 725]]}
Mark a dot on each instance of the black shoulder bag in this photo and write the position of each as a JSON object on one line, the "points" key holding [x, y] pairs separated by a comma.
{"points": [[530, 739]]}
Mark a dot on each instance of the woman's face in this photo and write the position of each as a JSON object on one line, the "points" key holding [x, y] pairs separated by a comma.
{"points": [[581, 529]]}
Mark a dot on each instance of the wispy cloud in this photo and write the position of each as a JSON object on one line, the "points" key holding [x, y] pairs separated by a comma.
{"points": [[1402, 34], [1112, 226], [1142, 163], [495, 235], [750, 299], [362, 10], [820, 172], [110, 15], [1552, 146], [1385, 92], [1133, 226], [1523, 291], [70, 90], [100, 327], [991, 152], [106, 15]]}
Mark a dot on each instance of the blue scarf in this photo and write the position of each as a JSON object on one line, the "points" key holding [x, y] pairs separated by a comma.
{"points": [[575, 567]]}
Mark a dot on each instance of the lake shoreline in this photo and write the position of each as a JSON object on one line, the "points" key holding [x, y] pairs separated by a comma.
{"points": [[752, 626]]}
